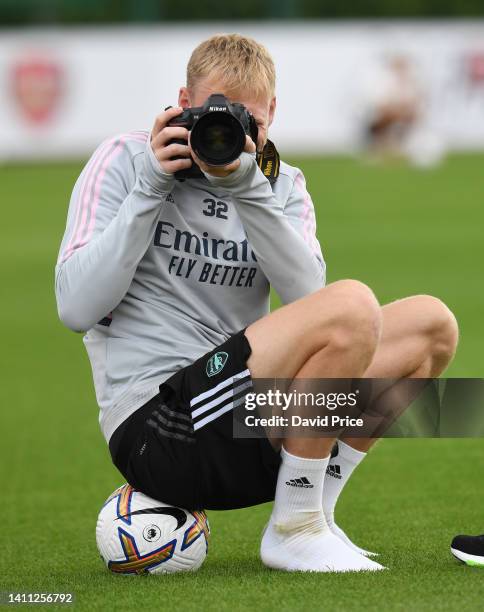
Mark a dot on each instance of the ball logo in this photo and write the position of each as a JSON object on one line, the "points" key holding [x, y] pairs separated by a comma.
{"points": [[37, 86], [151, 533], [216, 363]]}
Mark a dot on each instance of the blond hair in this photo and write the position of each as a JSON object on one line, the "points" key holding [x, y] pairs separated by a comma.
{"points": [[239, 62]]}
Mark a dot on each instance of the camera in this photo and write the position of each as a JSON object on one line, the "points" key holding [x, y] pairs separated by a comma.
{"points": [[218, 130]]}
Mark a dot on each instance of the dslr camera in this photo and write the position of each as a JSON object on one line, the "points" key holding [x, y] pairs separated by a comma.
{"points": [[218, 130]]}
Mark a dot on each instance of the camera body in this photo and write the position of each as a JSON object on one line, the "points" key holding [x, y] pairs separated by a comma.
{"points": [[217, 132]]}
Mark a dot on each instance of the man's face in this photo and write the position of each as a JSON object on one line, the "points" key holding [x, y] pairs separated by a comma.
{"points": [[262, 109]]}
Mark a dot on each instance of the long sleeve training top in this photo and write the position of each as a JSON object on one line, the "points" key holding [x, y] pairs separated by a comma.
{"points": [[158, 272]]}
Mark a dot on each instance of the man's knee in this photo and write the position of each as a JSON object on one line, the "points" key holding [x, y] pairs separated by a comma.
{"points": [[357, 319], [440, 325]]}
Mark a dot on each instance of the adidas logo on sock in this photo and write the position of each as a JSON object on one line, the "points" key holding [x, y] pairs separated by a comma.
{"points": [[300, 482], [334, 471]]}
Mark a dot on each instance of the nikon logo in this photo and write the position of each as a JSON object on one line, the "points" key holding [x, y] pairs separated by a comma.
{"points": [[217, 108]]}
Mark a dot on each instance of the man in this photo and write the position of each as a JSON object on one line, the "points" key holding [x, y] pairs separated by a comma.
{"points": [[171, 280], [393, 103]]}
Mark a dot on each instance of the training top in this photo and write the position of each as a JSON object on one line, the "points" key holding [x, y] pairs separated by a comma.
{"points": [[158, 272]]}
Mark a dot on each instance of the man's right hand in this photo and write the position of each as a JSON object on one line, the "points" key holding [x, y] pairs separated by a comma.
{"points": [[161, 135]]}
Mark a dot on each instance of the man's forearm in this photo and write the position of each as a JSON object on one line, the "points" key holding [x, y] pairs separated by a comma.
{"points": [[287, 261]]}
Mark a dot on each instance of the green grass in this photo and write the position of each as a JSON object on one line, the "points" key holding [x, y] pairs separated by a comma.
{"points": [[397, 229]]}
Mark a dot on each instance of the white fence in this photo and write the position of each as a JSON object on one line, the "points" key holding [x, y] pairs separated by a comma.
{"points": [[63, 91]]}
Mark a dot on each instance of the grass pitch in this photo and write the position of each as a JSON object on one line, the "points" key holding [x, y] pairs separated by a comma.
{"points": [[399, 230]]}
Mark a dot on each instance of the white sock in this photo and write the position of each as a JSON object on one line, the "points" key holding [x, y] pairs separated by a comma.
{"points": [[338, 473], [297, 537], [299, 491]]}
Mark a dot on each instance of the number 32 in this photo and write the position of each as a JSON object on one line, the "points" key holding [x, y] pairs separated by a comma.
{"points": [[215, 209]]}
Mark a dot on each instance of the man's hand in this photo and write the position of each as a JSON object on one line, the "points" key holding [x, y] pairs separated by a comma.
{"points": [[221, 171], [161, 135]]}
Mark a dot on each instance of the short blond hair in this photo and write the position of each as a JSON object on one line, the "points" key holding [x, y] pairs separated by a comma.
{"points": [[240, 62]]}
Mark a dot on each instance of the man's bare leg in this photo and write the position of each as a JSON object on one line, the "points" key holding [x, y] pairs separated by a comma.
{"points": [[332, 333], [419, 339]]}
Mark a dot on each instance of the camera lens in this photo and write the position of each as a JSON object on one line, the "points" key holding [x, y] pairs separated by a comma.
{"points": [[218, 138]]}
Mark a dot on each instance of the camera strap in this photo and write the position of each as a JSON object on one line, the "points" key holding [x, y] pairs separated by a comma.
{"points": [[269, 162]]}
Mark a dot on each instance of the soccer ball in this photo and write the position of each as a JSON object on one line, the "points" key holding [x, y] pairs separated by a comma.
{"points": [[136, 534]]}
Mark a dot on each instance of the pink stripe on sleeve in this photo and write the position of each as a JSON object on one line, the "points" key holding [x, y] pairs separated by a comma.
{"points": [[132, 136], [89, 206], [307, 215], [97, 188], [89, 170], [306, 207], [86, 201], [86, 206]]}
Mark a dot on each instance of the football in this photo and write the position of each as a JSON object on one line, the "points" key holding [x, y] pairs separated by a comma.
{"points": [[136, 534]]}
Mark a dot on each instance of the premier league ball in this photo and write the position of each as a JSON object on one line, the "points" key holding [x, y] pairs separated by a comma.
{"points": [[136, 534]]}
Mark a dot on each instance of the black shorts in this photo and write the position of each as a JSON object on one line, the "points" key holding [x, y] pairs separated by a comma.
{"points": [[179, 448]]}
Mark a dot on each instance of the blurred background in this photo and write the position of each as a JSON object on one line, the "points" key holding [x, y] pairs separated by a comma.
{"points": [[74, 72], [381, 104]]}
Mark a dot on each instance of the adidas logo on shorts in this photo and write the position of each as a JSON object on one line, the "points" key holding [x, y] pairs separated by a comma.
{"points": [[300, 482]]}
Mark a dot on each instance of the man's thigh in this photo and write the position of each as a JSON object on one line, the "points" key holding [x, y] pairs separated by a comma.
{"points": [[283, 341]]}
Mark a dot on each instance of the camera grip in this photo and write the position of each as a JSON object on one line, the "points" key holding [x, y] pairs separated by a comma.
{"points": [[177, 141]]}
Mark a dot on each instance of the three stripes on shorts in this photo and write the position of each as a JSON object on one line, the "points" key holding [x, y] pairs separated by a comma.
{"points": [[205, 408], [222, 398]]}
